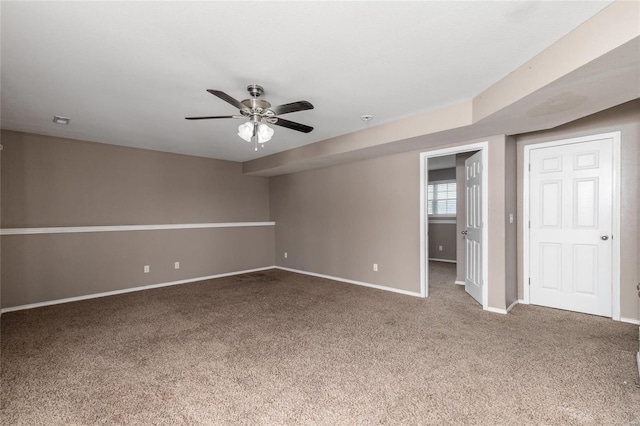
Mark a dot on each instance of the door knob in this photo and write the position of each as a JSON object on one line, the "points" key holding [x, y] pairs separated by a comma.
{"points": [[464, 232], [604, 237]]}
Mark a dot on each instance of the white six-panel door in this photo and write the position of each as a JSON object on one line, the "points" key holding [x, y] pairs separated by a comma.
{"points": [[570, 236], [473, 220]]}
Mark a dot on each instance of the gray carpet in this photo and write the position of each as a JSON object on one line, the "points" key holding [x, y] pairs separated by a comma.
{"points": [[282, 348]]}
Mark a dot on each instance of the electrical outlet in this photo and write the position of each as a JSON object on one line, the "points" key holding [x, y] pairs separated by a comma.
{"points": [[146, 269], [176, 265], [375, 267], [285, 254], [439, 248]]}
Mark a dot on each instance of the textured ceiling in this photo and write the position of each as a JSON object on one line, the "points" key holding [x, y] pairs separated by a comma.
{"points": [[127, 73]]}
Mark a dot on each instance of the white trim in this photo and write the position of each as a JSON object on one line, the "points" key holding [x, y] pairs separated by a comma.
{"points": [[424, 241], [615, 252], [503, 311], [526, 277], [117, 228], [485, 227], [344, 280], [442, 221], [638, 362], [424, 222], [442, 260], [510, 307], [460, 282], [615, 240], [630, 320], [128, 290]]}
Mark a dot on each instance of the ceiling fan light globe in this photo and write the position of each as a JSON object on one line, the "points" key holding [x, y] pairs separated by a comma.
{"points": [[245, 131], [264, 133]]}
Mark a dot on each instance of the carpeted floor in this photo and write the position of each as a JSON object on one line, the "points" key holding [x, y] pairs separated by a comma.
{"points": [[282, 348]]}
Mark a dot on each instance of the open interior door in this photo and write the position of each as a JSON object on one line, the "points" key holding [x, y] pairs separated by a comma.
{"points": [[473, 220]]}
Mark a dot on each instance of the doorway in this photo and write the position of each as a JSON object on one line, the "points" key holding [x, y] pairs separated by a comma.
{"points": [[477, 270]]}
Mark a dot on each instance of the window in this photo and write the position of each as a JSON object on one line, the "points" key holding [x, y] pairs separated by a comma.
{"points": [[441, 198]]}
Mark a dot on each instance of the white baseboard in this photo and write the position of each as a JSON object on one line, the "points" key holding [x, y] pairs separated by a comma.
{"points": [[442, 260], [622, 319], [512, 305], [638, 361], [128, 290], [502, 311], [460, 282], [344, 280]]}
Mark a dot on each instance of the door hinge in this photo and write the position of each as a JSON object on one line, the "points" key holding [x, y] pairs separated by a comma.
{"points": [[529, 280], [529, 224], [529, 166]]}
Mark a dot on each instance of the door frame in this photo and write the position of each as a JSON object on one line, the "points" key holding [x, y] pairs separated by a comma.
{"points": [[615, 214], [424, 220]]}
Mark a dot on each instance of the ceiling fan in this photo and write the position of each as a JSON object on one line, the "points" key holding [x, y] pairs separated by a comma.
{"points": [[259, 112]]}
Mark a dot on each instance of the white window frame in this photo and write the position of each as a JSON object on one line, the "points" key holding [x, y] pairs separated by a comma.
{"points": [[434, 183]]}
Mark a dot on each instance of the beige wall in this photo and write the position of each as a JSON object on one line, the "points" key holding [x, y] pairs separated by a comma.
{"points": [[39, 268], [626, 119], [62, 182], [442, 240], [511, 227], [339, 220], [442, 174], [496, 223], [48, 182]]}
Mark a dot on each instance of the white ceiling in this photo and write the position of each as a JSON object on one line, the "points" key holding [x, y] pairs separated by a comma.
{"points": [[127, 73]]}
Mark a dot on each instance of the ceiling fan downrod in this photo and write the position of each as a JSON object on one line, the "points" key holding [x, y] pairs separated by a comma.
{"points": [[255, 90]]}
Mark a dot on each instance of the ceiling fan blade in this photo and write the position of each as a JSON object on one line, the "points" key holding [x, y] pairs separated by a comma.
{"points": [[291, 125], [236, 103], [216, 116], [292, 107]]}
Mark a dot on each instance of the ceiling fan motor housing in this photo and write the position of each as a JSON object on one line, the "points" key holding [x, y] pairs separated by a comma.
{"points": [[256, 108]]}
